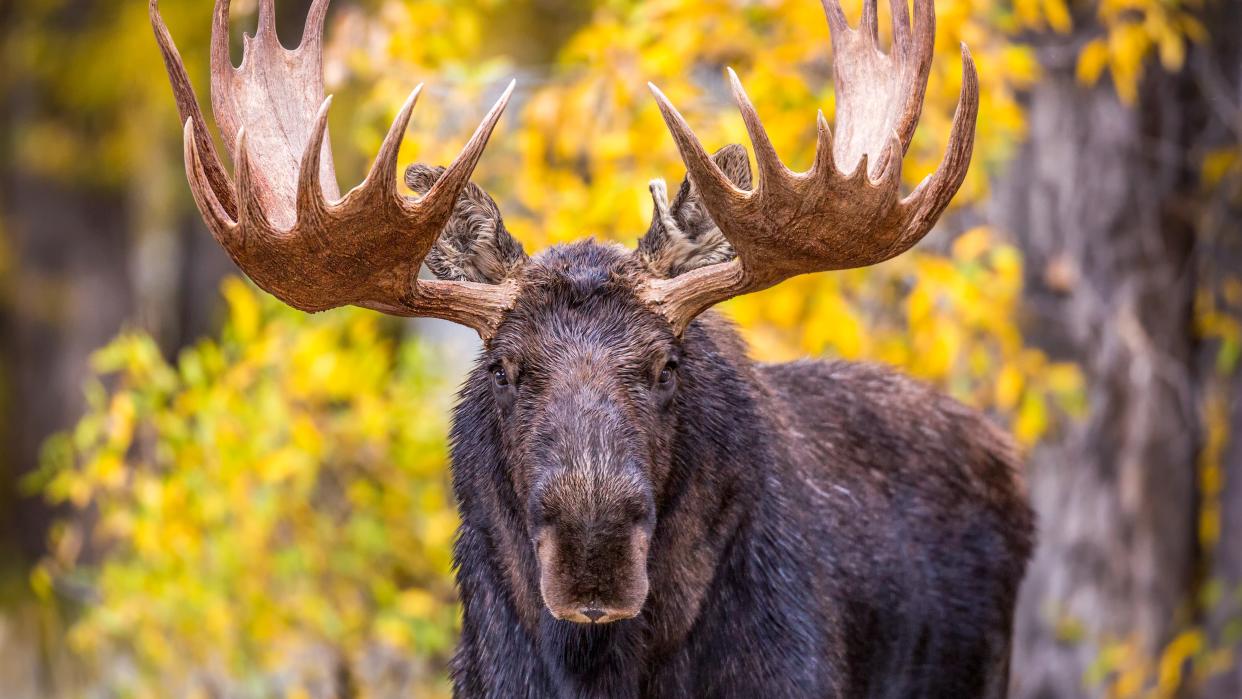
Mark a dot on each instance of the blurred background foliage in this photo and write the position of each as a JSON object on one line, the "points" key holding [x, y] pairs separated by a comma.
{"points": [[253, 502], [278, 491]]}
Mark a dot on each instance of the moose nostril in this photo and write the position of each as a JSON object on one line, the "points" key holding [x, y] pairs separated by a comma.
{"points": [[593, 614]]}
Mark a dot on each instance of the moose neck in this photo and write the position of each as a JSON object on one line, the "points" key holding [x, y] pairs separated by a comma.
{"points": [[715, 480]]}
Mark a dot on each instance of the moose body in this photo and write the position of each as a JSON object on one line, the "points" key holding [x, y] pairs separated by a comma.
{"points": [[646, 512], [823, 530]]}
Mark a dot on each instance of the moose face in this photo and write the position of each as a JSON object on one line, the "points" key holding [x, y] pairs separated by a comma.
{"points": [[583, 376]]}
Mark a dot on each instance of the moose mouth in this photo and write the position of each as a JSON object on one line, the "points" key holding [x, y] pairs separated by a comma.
{"points": [[594, 615]]}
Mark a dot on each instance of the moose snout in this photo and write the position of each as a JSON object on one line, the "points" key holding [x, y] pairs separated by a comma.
{"points": [[592, 555]]}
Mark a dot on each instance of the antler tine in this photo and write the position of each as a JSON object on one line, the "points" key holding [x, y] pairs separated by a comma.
{"points": [[932, 196], [869, 109], [250, 207], [221, 62], [311, 204], [924, 23], [901, 24], [381, 181], [892, 158], [215, 176], [870, 24], [847, 210], [222, 72], [771, 170], [218, 218], [284, 223], [916, 57], [312, 35], [824, 164], [444, 193], [714, 186], [837, 24], [267, 20]]}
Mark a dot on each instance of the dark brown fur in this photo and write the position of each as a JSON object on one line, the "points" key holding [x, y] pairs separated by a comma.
{"points": [[685, 237], [797, 530], [474, 246]]}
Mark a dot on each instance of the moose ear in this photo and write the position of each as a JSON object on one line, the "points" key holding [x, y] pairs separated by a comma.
{"points": [[682, 235], [474, 246]]}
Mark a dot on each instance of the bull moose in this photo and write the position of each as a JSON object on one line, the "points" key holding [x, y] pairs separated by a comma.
{"points": [[646, 511]]}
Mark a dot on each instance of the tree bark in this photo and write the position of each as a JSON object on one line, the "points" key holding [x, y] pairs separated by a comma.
{"points": [[1092, 200], [69, 296], [1219, 73]]}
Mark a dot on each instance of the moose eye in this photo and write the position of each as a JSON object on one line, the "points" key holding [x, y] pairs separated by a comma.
{"points": [[666, 374], [503, 386]]}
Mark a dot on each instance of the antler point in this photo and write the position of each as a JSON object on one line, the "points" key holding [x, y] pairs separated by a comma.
{"points": [[508, 93], [412, 98], [667, 110]]}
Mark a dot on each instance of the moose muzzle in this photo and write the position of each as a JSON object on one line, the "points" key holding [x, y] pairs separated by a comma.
{"points": [[592, 528]]}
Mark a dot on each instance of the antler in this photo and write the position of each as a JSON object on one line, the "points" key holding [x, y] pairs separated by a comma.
{"points": [[846, 211], [285, 223]]}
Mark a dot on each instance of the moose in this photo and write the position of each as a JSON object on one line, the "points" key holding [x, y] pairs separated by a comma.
{"points": [[645, 511]]}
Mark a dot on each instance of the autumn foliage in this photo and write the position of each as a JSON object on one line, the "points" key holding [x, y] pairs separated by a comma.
{"points": [[276, 496]]}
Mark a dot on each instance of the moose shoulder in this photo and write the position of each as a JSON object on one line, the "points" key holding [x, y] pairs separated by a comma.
{"points": [[646, 511]]}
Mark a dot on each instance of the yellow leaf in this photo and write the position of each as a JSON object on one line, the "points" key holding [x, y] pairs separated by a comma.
{"points": [[416, 603], [1020, 64], [920, 303], [1058, 16], [1008, 387], [1028, 12], [1032, 419], [1186, 645], [973, 243], [1172, 51], [1217, 164], [1194, 29], [1209, 526], [1063, 378], [41, 582], [243, 308], [1091, 61], [1128, 45]]}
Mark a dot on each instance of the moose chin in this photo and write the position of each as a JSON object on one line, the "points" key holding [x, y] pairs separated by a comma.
{"points": [[645, 510]]}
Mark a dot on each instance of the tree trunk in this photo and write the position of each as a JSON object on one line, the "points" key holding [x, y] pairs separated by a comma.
{"points": [[69, 295], [1219, 73], [1092, 201]]}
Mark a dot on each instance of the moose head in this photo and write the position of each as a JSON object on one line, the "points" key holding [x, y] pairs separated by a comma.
{"points": [[584, 350]]}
